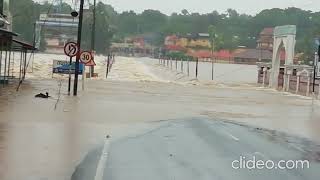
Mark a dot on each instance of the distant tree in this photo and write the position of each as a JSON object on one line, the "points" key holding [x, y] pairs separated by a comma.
{"points": [[213, 37], [233, 29], [185, 12]]}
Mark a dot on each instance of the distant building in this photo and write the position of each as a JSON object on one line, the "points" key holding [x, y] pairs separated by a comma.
{"points": [[200, 40], [170, 40], [55, 30], [133, 46], [251, 56], [265, 40], [197, 41]]}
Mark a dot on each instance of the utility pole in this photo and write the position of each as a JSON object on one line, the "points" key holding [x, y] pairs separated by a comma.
{"points": [[315, 68], [212, 59], [76, 75], [93, 34]]}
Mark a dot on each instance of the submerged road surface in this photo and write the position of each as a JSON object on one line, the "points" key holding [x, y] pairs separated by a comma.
{"points": [[156, 119], [194, 149]]}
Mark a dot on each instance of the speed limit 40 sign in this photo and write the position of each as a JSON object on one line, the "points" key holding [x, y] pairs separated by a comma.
{"points": [[85, 57]]}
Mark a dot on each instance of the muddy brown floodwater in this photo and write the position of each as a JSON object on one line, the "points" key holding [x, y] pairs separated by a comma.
{"points": [[45, 139]]}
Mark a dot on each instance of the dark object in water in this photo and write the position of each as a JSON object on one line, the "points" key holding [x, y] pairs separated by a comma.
{"points": [[41, 95]]}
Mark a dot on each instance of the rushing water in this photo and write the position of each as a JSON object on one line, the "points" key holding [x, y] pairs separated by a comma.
{"points": [[44, 139]]}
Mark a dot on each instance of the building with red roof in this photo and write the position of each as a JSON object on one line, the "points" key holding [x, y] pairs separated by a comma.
{"points": [[265, 40]]}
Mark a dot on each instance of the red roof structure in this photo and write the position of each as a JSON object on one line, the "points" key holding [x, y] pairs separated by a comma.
{"points": [[174, 48], [267, 31], [223, 54], [200, 54]]}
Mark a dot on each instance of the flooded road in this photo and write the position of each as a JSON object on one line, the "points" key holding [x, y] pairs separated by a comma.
{"points": [[45, 139], [191, 149]]}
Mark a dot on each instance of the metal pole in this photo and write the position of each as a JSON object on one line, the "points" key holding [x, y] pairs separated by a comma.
{"points": [[176, 64], [197, 62], [25, 64], [93, 35], [212, 59], [76, 75], [12, 64], [34, 34], [69, 83], [5, 67], [212, 68], [1, 59], [32, 60], [188, 67], [20, 68], [314, 70], [83, 75], [9, 63], [314, 78], [108, 62], [182, 65]]}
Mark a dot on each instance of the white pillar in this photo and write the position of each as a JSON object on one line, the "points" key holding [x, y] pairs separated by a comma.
{"points": [[284, 82], [288, 83], [264, 76]]}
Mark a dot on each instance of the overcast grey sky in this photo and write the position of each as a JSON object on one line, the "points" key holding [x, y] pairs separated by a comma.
{"points": [[204, 6]]}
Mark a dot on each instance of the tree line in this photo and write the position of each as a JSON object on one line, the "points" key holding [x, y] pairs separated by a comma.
{"points": [[235, 29]]}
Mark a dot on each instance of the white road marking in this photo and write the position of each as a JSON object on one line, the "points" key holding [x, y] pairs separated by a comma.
{"points": [[233, 137], [102, 161], [229, 134], [298, 148]]}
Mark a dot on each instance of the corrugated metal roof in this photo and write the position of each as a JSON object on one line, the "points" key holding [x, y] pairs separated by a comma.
{"points": [[5, 31], [253, 54], [24, 44]]}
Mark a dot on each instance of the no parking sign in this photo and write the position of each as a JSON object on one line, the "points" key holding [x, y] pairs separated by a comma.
{"points": [[71, 49]]}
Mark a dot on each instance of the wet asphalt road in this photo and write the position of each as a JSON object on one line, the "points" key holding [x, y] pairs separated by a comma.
{"points": [[192, 149]]}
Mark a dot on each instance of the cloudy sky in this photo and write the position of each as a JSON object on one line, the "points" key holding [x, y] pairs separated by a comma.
{"points": [[204, 6]]}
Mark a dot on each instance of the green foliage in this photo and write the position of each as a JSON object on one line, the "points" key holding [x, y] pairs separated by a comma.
{"points": [[104, 31], [231, 28], [25, 13]]}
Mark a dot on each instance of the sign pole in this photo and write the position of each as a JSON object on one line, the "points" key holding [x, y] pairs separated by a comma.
{"points": [[93, 34], [314, 77], [69, 83], [316, 65], [71, 50], [83, 76], [76, 75]]}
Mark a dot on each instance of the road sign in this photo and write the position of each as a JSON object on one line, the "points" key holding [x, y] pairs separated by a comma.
{"points": [[62, 67], [85, 57], [71, 49], [91, 63]]}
